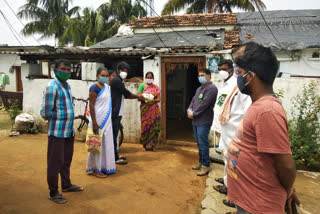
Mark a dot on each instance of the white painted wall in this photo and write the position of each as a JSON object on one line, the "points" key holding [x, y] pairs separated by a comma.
{"points": [[33, 93], [6, 62], [305, 65], [153, 65]]}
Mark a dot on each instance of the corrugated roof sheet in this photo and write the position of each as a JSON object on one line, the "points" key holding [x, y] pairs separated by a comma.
{"points": [[294, 29], [199, 38]]}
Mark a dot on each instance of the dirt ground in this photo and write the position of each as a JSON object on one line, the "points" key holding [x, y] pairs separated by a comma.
{"points": [[152, 182]]}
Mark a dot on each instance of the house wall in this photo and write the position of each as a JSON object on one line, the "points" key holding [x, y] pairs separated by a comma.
{"points": [[305, 65], [33, 92], [6, 61]]}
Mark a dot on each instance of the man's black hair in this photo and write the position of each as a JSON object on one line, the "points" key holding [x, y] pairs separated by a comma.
{"points": [[102, 69], [61, 61], [123, 66], [149, 72], [205, 70], [260, 60], [227, 62]]}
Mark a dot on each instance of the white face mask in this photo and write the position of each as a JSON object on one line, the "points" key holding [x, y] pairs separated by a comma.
{"points": [[123, 74], [224, 74], [148, 81]]}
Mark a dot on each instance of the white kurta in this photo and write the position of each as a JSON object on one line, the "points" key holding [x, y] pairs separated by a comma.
{"points": [[239, 107], [105, 160], [223, 92]]}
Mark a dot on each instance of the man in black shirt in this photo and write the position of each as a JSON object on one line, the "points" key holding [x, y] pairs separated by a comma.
{"points": [[118, 94]]}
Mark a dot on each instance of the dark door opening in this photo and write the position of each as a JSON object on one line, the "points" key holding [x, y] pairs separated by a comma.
{"points": [[182, 83]]}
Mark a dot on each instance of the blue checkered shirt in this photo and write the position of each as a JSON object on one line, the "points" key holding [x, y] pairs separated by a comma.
{"points": [[57, 108]]}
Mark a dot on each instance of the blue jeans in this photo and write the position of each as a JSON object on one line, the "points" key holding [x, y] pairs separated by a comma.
{"points": [[201, 134], [115, 128]]}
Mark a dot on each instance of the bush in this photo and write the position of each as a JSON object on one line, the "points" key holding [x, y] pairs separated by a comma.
{"points": [[304, 127], [13, 111]]}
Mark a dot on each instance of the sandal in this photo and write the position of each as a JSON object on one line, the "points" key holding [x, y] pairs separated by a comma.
{"points": [[219, 180], [228, 203], [100, 175], [121, 162], [122, 157], [73, 188], [231, 213], [221, 188], [59, 199]]}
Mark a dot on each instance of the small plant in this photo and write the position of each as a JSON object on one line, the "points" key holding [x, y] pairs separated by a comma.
{"points": [[33, 130], [13, 111], [280, 93], [304, 127]]}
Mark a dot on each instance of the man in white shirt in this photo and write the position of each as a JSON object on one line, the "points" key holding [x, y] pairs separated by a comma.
{"points": [[229, 82]]}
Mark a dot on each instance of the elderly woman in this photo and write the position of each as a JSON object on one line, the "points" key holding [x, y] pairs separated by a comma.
{"points": [[150, 113], [103, 163]]}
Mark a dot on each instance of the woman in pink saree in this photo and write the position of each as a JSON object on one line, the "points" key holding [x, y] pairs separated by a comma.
{"points": [[150, 113]]}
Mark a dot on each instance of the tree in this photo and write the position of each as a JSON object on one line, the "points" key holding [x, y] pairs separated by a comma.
{"points": [[50, 17], [210, 6]]}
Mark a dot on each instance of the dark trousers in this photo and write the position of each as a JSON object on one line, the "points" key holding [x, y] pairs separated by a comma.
{"points": [[201, 134], [115, 128], [59, 158]]}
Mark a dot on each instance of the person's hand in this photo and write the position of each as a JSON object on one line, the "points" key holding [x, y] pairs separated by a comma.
{"points": [[95, 128], [217, 134], [190, 116], [292, 201], [140, 98]]}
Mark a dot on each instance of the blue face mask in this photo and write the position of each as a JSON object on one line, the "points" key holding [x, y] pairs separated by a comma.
{"points": [[103, 79], [202, 80], [243, 85]]}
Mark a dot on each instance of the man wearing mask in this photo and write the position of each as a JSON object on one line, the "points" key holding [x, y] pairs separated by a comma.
{"points": [[229, 82], [57, 108], [261, 171], [231, 113], [118, 94], [201, 113]]}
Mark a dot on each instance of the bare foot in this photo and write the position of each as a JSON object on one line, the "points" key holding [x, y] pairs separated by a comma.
{"points": [[100, 175]]}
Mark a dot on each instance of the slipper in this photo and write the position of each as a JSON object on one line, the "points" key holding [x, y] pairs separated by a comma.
{"points": [[100, 175], [231, 213], [219, 180], [121, 162], [59, 199], [122, 157], [221, 188], [228, 203], [73, 188]]}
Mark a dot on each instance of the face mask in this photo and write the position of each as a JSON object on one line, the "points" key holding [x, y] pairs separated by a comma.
{"points": [[103, 79], [62, 75], [224, 74], [123, 74], [242, 85], [148, 81], [202, 80]]}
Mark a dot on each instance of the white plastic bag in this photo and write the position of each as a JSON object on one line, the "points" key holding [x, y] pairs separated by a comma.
{"points": [[148, 97], [24, 121]]}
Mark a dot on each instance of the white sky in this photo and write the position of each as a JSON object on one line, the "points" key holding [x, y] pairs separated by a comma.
{"points": [[6, 36]]}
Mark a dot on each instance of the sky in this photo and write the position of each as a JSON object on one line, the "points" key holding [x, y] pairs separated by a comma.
{"points": [[7, 37]]}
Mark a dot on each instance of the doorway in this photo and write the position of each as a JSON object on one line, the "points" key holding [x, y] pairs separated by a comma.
{"points": [[181, 83]]}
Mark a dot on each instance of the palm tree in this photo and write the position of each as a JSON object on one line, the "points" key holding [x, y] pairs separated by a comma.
{"points": [[210, 6], [50, 17]]}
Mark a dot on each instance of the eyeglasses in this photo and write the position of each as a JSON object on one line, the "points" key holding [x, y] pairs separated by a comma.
{"points": [[235, 68]]}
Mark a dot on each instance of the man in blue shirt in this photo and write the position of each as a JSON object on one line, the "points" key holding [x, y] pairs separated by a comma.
{"points": [[201, 113], [57, 108]]}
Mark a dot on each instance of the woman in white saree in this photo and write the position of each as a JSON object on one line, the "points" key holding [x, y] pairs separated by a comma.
{"points": [[103, 163]]}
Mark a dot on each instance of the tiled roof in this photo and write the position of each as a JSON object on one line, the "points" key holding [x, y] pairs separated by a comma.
{"points": [[208, 19], [231, 39]]}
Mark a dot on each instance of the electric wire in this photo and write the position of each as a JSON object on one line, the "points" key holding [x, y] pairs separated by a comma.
{"points": [[20, 20], [15, 34], [274, 36], [169, 26], [156, 32]]}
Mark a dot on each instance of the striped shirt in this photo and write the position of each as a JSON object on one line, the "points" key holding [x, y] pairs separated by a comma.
{"points": [[57, 108]]}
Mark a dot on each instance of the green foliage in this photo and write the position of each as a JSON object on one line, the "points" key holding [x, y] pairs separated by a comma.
{"points": [[33, 130], [304, 127], [280, 93], [69, 26], [210, 6], [13, 111]]}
